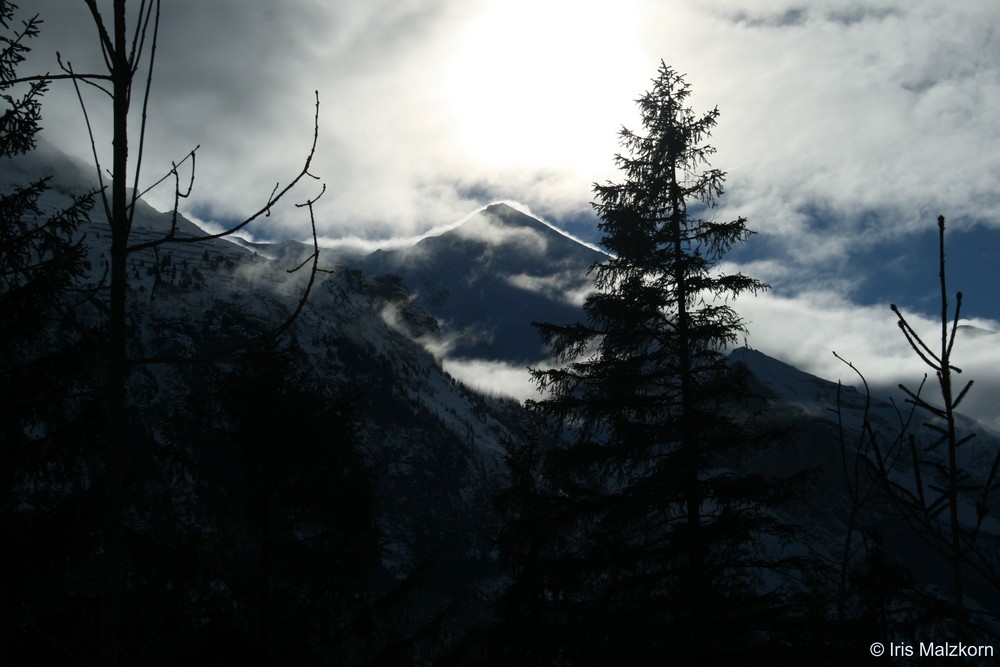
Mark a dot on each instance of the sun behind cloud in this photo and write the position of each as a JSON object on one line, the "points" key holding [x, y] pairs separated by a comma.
{"points": [[531, 82]]}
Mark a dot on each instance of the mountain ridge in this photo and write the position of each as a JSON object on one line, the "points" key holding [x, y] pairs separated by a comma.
{"points": [[487, 279], [388, 322]]}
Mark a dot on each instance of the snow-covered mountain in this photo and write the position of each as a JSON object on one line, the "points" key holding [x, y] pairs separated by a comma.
{"points": [[388, 322], [489, 278], [826, 428], [436, 445]]}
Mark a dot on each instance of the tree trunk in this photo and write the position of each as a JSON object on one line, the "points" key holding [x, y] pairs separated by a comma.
{"points": [[944, 378], [696, 588], [117, 362]]}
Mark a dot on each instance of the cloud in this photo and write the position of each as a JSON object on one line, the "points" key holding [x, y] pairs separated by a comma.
{"points": [[805, 331], [876, 104], [844, 126], [570, 287], [493, 377], [884, 114], [523, 239]]}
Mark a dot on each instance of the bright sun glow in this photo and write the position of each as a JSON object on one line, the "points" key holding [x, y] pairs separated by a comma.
{"points": [[532, 82]]}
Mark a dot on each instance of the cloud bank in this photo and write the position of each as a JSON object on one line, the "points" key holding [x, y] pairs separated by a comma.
{"points": [[845, 128], [430, 108]]}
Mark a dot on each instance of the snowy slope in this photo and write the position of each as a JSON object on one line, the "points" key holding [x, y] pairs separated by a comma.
{"points": [[489, 278], [386, 321], [437, 445], [824, 424]]}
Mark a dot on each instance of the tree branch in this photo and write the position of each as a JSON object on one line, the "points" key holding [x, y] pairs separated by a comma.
{"points": [[267, 335], [275, 196], [145, 103]]}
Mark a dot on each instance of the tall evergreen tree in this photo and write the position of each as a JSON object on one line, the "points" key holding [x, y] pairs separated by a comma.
{"points": [[41, 254], [645, 537], [46, 454]]}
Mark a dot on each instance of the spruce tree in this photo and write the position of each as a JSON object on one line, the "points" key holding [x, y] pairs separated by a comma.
{"points": [[42, 256], [644, 538], [46, 415]]}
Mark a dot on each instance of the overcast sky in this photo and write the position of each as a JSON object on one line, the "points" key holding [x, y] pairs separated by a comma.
{"points": [[846, 127]]}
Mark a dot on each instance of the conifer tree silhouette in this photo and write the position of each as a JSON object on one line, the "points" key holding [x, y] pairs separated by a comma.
{"points": [[642, 539], [47, 385]]}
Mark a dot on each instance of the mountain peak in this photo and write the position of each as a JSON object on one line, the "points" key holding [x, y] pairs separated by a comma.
{"points": [[488, 278], [501, 208], [503, 215], [508, 216]]}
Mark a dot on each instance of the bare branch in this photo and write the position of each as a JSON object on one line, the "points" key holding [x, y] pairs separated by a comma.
{"points": [[56, 77], [172, 172], [139, 38], [93, 148], [264, 211], [107, 46], [145, 103], [67, 68], [918, 345], [272, 333]]}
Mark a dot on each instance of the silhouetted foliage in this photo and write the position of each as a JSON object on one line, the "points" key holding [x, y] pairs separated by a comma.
{"points": [[128, 58], [875, 596], [41, 258], [937, 493], [648, 538], [47, 384], [286, 522]]}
